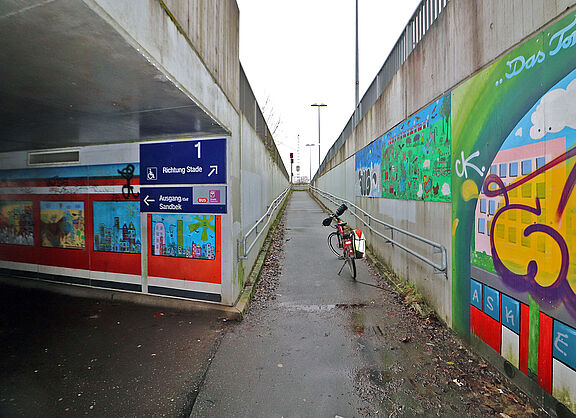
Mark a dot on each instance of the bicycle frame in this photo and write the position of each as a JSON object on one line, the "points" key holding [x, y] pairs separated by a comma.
{"points": [[340, 228], [345, 243], [346, 240], [348, 247]]}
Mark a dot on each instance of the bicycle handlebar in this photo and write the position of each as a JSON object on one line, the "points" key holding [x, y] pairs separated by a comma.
{"points": [[341, 209]]}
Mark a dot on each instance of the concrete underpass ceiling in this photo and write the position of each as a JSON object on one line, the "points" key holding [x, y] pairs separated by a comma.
{"points": [[68, 78]]}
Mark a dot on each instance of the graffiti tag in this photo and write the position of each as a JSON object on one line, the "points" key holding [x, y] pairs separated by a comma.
{"points": [[127, 173], [368, 181], [465, 163], [60, 185], [560, 289]]}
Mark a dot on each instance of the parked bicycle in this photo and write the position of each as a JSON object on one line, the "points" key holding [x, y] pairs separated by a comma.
{"points": [[341, 241]]}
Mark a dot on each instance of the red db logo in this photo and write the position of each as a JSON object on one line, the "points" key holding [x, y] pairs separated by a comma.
{"points": [[202, 200]]}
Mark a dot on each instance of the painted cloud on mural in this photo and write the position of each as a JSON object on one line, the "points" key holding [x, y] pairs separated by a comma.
{"points": [[560, 105]]}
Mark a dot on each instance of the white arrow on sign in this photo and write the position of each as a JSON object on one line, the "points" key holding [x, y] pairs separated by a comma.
{"points": [[146, 200], [214, 170]]}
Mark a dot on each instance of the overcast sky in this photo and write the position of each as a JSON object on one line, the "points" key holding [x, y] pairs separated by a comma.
{"points": [[299, 52]]}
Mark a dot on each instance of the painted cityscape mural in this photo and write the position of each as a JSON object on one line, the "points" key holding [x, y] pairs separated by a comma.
{"points": [[62, 224], [369, 170], [189, 236], [117, 227], [16, 222], [412, 160], [514, 149]]}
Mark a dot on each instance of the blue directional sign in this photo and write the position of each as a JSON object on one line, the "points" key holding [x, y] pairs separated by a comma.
{"points": [[200, 199], [183, 162]]}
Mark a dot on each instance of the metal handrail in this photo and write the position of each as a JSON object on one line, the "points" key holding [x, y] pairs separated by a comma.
{"points": [[273, 206], [441, 268]]}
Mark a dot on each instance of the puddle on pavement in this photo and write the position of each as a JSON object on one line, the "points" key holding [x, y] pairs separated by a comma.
{"points": [[350, 305], [306, 308]]}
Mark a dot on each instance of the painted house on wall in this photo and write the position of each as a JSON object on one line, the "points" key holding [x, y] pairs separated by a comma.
{"points": [[159, 238], [511, 165]]}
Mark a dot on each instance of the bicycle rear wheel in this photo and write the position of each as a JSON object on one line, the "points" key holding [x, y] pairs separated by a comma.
{"points": [[335, 244], [351, 266]]}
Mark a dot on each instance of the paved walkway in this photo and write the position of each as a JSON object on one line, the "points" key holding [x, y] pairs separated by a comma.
{"points": [[330, 346], [327, 346], [296, 357]]}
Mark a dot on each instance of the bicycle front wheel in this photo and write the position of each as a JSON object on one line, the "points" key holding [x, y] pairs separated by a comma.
{"points": [[351, 266], [335, 244]]}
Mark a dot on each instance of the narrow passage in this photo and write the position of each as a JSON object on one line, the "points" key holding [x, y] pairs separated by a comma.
{"points": [[315, 344]]}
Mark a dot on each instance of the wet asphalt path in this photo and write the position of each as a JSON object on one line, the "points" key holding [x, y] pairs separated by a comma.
{"points": [[326, 346], [329, 346], [297, 356]]}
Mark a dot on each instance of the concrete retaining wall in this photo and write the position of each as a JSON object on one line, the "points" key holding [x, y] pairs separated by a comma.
{"points": [[261, 182], [153, 32], [466, 37], [501, 74], [212, 28]]}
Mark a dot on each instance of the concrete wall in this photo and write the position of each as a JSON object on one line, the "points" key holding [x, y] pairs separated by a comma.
{"points": [[152, 31], [212, 29], [194, 45], [431, 220], [261, 179], [261, 182], [466, 37], [508, 68]]}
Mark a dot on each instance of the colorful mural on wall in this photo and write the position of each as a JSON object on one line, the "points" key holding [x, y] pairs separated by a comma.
{"points": [[188, 236], [16, 222], [117, 227], [514, 216], [412, 160], [62, 224]]}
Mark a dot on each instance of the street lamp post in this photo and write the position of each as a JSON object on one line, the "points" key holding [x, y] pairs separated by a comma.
{"points": [[319, 106], [357, 65], [310, 178]]}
